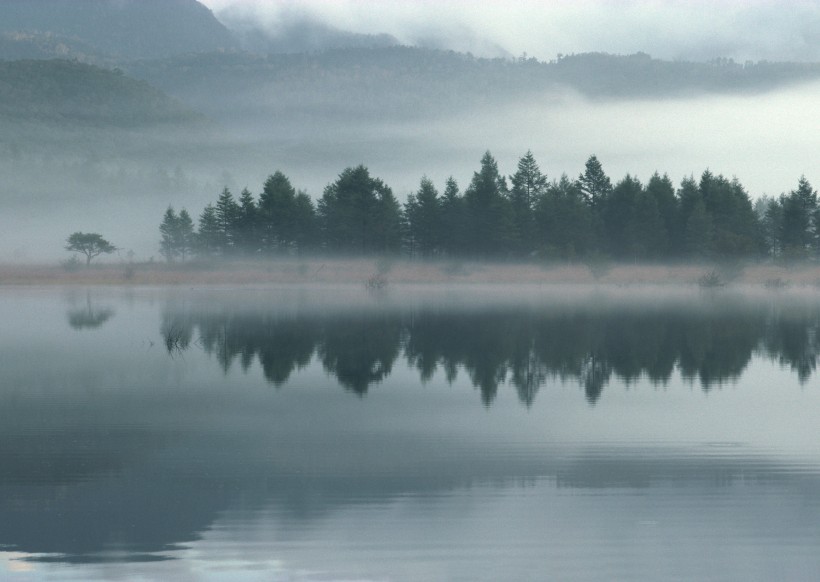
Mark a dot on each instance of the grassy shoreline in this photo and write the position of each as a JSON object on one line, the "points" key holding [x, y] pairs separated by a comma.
{"points": [[399, 272]]}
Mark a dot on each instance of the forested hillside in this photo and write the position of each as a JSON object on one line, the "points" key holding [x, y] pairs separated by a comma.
{"points": [[72, 93], [117, 29], [414, 82]]}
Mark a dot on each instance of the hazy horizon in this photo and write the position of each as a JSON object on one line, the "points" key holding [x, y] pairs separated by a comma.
{"points": [[676, 30]]}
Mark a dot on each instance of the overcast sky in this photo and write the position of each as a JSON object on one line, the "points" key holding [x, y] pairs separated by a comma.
{"points": [[677, 29]]}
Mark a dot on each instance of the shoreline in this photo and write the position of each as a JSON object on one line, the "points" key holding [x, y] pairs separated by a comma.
{"points": [[378, 272]]}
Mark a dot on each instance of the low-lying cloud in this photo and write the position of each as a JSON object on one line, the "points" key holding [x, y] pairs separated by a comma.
{"points": [[679, 29]]}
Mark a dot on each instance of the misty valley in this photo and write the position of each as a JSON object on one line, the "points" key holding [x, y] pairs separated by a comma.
{"points": [[409, 291]]}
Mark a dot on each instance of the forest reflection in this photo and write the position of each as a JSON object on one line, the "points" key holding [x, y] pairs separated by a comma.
{"points": [[521, 347]]}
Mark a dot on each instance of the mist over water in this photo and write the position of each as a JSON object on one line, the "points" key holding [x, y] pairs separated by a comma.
{"points": [[766, 140]]}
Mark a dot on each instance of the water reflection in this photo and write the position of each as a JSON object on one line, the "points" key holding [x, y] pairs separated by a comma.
{"points": [[711, 343], [179, 468], [89, 316]]}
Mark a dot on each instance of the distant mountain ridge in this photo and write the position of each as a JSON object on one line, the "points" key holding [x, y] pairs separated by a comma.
{"points": [[115, 29], [405, 82]]}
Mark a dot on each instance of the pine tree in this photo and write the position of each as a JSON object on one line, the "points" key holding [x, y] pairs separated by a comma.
{"points": [[489, 222], [304, 222], [452, 219], [528, 184], [594, 183], [247, 236], [168, 235], [227, 216], [358, 213], [184, 237], [276, 205], [563, 221], [209, 237], [798, 226], [423, 213]]}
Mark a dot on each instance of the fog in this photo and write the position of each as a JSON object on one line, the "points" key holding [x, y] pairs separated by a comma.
{"points": [[120, 182], [671, 30]]}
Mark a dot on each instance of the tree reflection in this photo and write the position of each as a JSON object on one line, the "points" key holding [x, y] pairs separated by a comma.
{"points": [[89, 316], [522, 348]]}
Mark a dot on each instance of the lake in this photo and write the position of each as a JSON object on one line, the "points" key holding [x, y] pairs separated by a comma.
{"points": [[425, 433]]}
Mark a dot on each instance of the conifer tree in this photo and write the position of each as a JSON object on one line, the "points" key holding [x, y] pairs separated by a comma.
{"points": [[423, 212], [489, 223], [227, 216], [528, 184], [209, 236], [184, 237], [277, 205], [247, 235], [452, 218], [168, 235]]}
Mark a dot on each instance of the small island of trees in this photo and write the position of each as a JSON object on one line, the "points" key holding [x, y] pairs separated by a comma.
{"points": [[523, 216]]}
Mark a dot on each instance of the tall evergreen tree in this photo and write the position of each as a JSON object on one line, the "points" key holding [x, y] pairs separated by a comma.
{"points": [[594, 183], [452, 219], [618, 213], [303, 234], [663, 191], [227, 216], [489, 223], [736, 231], [209, 236], [423, 212], [563, 221], [770, 215], [247, 235], [528, 184], [798, 226], [358, 213], [168, 235], [184, 237], [277, 205]]}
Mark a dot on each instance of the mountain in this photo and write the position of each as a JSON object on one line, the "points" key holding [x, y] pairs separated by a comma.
{"points": [[70, 93], [117, 29], [406, 83]]}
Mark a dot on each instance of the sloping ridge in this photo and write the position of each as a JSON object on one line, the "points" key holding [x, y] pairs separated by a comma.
{"points": [[123, 29], [73, 93]]}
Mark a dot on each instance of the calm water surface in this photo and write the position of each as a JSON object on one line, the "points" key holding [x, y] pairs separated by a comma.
{"points": [[469, 433]]}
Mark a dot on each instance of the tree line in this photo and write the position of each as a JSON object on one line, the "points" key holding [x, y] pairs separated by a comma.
{"points": [[524, 215]]}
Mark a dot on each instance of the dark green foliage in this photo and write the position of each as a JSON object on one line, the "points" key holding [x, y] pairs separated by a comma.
{"points": [[594, 183], [227, 213], [167, 231], [359, 214], [452, 219], [563, 222], [735, 228], [209, 239], [528, 185], [798, 227], [586, 220], [277, 207], [184, 236], [424, 216], [490, 230], [248, 225]]}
